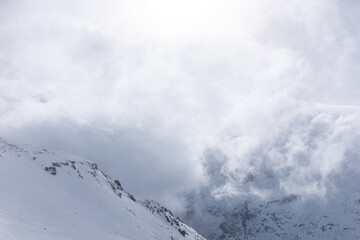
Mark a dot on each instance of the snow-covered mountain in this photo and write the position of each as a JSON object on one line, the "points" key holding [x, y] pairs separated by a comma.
{"points": [[55, 195], [334, 215], [285, 218]]}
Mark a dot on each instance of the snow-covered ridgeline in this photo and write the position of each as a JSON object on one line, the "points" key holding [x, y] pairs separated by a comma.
{"points": [[55, 195]]}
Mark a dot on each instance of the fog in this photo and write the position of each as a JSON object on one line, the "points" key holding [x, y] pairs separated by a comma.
{"points": [[148, 89]]}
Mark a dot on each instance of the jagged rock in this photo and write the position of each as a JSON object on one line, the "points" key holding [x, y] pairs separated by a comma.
{"points": [[51, 170], [132, 197], [182, 232], [118, 184]]}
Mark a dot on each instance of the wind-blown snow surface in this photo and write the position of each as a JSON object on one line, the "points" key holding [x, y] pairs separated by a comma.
{"points": [[55, 195]]}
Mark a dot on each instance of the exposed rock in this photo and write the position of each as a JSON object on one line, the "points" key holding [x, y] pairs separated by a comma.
{"points": [[51, 170], [131, 197]]}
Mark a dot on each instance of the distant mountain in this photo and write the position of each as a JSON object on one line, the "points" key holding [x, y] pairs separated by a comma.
{"points": [[285, 218], [57, 196], [335, 215]]}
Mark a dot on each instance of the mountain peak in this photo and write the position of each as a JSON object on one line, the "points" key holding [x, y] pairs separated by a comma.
{"points": [[56, 195]]}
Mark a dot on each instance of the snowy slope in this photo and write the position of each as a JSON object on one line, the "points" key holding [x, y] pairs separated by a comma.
{"points": [[55, 195]]}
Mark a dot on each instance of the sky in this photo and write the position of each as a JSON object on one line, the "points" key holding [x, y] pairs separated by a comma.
{"points": [[160, 92]]}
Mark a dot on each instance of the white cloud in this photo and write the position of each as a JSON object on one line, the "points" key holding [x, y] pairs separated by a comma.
{"points": [[168, 80]]}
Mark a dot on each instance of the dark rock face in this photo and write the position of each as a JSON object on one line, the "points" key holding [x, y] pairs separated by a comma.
{"points": [[118, 184], [131, 197], [51, 170], [182, 232], [285, 200], [92, 169], [54, 165]]}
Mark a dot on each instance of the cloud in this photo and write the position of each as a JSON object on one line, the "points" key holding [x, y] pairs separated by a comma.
{"points": [[302, 149], [145, 88]]}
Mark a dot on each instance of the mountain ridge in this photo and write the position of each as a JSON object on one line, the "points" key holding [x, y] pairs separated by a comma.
{"points": [[55, 195], [336, 215]]}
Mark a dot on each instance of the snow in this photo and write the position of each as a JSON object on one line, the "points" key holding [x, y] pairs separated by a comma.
{"points": [[55, 195], [335, 216]]}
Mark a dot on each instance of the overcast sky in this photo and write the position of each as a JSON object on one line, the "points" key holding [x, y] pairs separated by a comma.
{"points": [[148, 88]]}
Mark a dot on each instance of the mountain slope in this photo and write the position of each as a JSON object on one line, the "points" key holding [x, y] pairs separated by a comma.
{"points": [[55, 195], [285, 218], [335, 215]]}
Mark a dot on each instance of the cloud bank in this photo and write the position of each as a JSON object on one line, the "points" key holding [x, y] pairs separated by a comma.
{"points": [[147, 89]]}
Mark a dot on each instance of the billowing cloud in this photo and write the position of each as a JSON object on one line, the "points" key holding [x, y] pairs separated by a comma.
{"points": [[146, 88]]}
